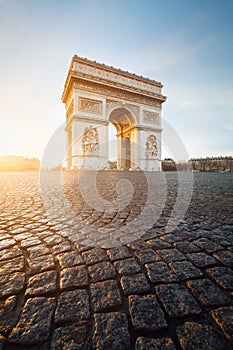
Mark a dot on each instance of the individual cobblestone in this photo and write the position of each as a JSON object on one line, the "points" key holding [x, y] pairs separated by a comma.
{"points": [[159, 272], [41, 264], [193, 336], [136, 284], [223, 276], [8, 314], [111, 331], [10, 253], [35, 323], [13, 265], [69, 259], [185, 270], [38, 251], [225, 257], [147, 256], [143, 343], [72, 306], [127, 267], [42, 283], [95, 255], [146, 313], [105, 295], [12, 284], [75, 337], [74, 277], [177, 300], [101, 271], [170, 255], [119, 253], [202, 260], [224, 319]]}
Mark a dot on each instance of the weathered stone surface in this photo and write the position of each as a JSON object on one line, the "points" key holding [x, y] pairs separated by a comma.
{"points": [[13, 265], [40, 264], [35, 323], [159, 272], [143, 343], [101, 271], [42, 283], [224, 319], [193, 336], [10, 253], [223, 276], [146, 313], [72, 306], [207, 293], [69, 259], [170, 255], [29, 242], [74, 277], [61, 248], [187, 247], [225, 257], [6, 243], [105, 295], [202, 259], [177, 300], [95, 255], [8, 314], [147, 256], [135, 284], [127, 267], [75, 337], [111, 331], [37, 251], [53, 240], [206, 245], [119, 253], [12, 284], [159, 244], [185, 270]]}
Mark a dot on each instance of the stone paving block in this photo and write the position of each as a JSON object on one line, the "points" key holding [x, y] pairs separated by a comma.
{"points": [[29, 242], [224, 319], [185, 270], [127, 266], [74, 277], [147, 256], [138, 245], [13, 265], [177, 300], [170, 255], [159, 272], [187, 247], [74, 337], [7, 243], [8, 314], [119, 253], [105, 295], [41, 264], [101, 271], [69, 259], [193, 336], [143, 343], [10, 253], [53, 240], [95, 255], [37, 251], [223, 276], [206, 245], [111, 331], [159, 244], [12, 284], [42, 283], [207, 293], [61, 248], [136, 284], [225, 257], [72, 306], [34, 325], [202, 259], [146, 313]]}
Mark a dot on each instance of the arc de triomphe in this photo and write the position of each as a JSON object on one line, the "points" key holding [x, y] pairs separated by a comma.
{"points": [[96, 95]]}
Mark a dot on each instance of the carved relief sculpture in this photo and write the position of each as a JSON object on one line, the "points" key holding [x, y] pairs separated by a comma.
{"points": [[150, 117], [151, 146], [90, 140], [91, 106]]}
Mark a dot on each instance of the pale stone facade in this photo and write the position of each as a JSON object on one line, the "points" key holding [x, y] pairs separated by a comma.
{"points": [[96, 95]]}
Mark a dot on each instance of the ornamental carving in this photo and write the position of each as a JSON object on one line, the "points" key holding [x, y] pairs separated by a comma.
{"points": [[151, 146], [90, 106], [90, 140], [150, 117]]}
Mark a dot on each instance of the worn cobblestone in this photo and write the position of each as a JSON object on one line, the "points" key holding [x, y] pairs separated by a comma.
{"points": [[105, 295], [224, 319], [143, 343]]}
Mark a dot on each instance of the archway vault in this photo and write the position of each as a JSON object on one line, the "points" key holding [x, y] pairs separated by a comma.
{"points": [[96, 95]]}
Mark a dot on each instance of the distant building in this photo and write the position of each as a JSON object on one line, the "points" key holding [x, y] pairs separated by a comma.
{"points": [[18, 163], [212, 163]]}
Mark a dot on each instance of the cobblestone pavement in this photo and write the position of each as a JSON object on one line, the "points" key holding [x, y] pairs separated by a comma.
{"points": [[165, 290]]}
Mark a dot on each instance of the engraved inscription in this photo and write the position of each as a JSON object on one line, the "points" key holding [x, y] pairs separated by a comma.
{"points": [[150, 117], [90, 106]]}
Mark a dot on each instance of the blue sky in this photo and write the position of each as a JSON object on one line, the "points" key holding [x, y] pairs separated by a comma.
{"points": [[187, 45]]}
